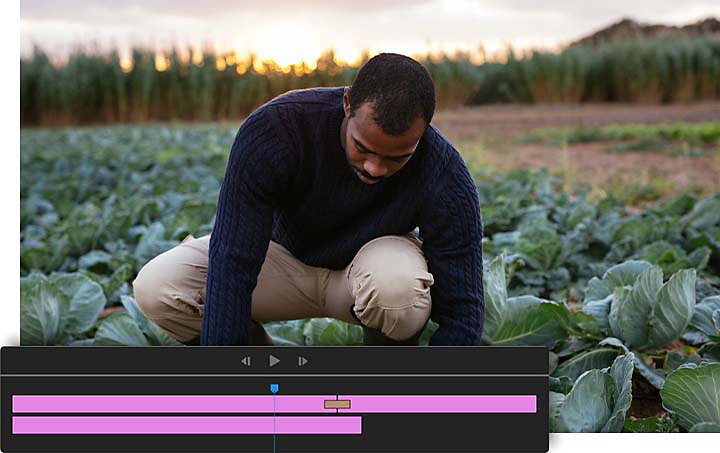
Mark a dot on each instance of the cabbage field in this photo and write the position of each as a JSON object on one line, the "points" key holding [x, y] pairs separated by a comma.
{"points": [[626, 299]]}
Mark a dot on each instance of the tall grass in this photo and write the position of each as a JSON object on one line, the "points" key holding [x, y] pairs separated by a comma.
{"points": [[656, 71], [93, 88]]}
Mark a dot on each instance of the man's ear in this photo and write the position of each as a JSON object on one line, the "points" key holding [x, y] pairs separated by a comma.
{"points": [[346, 101]]}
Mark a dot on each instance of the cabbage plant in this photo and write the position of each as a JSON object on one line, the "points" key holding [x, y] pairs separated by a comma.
{"points": [[57, 309], [692, 393], [597, 402], [517, 321], [631, 303], [706, 320]]}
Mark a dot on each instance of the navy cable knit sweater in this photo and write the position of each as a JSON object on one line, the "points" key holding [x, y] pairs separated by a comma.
{"points": [[287, 179]]}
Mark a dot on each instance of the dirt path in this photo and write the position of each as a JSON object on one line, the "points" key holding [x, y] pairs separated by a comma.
{"points": [[473, 122], [486, 137], [593, 164]]}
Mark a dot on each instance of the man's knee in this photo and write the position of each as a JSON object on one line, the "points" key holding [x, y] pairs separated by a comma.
{"points": [[173, 312], [173, 283], [149, 291], [395, 300]]}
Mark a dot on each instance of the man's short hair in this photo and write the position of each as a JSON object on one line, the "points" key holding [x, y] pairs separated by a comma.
{"points": [[399, 89]]}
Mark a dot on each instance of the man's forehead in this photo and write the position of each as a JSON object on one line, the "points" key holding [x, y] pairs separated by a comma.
{"points": [[383, 144], [371, 136]]}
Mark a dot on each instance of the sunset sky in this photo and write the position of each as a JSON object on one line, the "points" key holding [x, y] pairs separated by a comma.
{"points": [[290, 31]]}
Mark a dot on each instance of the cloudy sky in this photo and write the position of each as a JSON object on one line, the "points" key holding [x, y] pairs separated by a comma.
{"points": [[289, 31]]}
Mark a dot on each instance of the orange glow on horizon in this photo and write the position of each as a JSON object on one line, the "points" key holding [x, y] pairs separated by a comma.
{"points": [[241, 62], [197, 58], [126, 64], [162, 63]]}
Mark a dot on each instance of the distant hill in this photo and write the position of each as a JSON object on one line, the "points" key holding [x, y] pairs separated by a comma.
{"points": [[628, 29]]}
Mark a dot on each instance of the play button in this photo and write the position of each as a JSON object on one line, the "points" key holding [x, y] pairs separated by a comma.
{"points": [[273, 360]]}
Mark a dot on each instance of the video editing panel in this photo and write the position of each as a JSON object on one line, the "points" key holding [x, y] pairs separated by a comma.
{"points": [[274, 399]]}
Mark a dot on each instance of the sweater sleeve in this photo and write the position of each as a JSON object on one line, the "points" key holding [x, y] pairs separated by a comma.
{"points": [[451, 229], [254, 179]]}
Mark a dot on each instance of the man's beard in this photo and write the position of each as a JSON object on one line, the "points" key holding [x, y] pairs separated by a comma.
{"points": [[362, 172], [367, 175]]}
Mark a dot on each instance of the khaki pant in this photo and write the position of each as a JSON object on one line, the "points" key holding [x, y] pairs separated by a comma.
{"points": [[387, 284]]}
